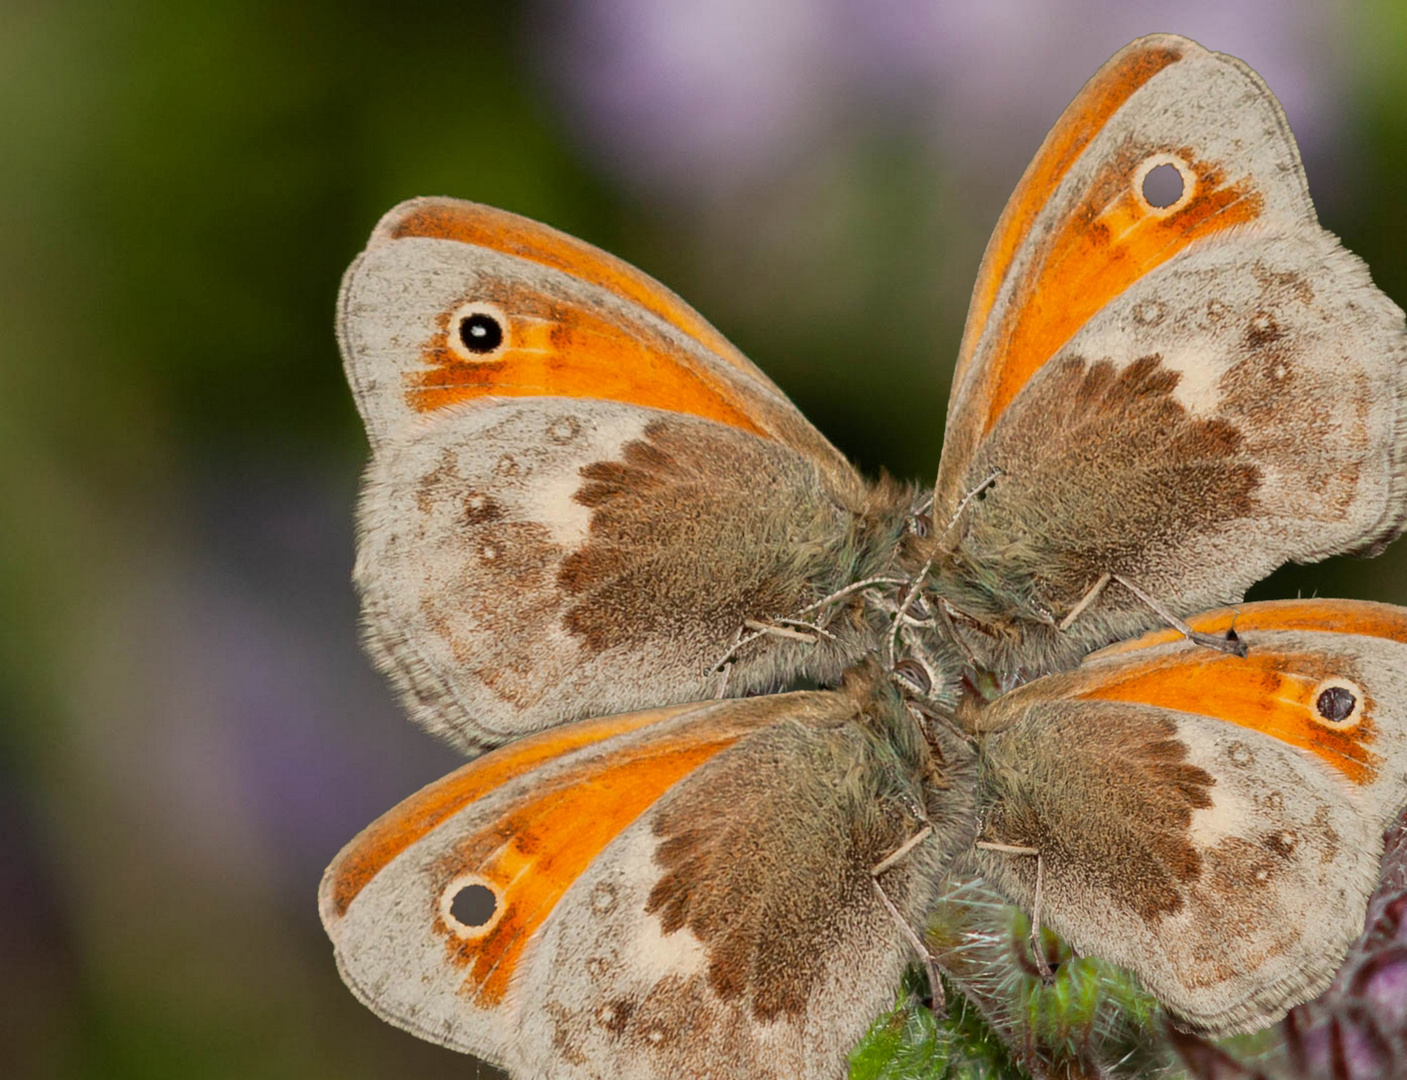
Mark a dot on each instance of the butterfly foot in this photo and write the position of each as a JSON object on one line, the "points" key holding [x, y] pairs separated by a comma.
{"points": [[1227, 643]]}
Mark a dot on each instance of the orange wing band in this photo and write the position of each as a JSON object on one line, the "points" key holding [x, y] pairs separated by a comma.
{"points": [[393, 832], [1361, 617], [1111, 241], [500, 231], [1273, 693], [570, 352], [1082, 120], [531, 855], [539, 850]]}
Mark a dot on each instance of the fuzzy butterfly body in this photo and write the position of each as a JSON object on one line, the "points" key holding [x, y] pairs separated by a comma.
{"points": [[582, 503]]}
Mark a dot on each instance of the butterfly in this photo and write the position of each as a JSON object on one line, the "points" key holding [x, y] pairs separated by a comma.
{"points": [[597, 541]]}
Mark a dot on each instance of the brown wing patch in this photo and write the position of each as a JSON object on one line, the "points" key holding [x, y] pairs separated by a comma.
{"points": [[1085, 117], [1113, 238], [770, 893], [498, 230], [1131, 772], [553, 348], [1143, 505], [1277, 694], [681, 512]]}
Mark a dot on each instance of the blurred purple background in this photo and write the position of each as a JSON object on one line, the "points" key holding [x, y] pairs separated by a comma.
{"points": [[190, 731]]}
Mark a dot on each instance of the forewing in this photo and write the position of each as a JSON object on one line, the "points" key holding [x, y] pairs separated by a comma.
{"points": [[686, 891], [1188, 395], [1213, 823], [579, 518]]}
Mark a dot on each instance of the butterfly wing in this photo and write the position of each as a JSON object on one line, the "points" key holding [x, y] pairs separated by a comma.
{"points": [[578, 491], [1187, 393], [1213, 823], [685, 891]]}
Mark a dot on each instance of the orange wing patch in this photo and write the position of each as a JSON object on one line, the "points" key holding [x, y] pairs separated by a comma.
{"points": [[1360, 617], [554, 349], [1277, 694], [1113, 239], [393, 832], [530, 856], [498, 230], [1085, 117]]}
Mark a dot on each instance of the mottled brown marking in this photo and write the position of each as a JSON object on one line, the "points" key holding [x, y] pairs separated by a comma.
{"points": [[1292, 410], [563, 1038], [1329, 840], [1282, 842], [1107, 800], [772, 904], [1240, 868], [1115, 475], [1263, 330], [480, 509], [1277, 285], [429, 489], [521, 561], [1213, 315], [614, 1016], [682, 511]]}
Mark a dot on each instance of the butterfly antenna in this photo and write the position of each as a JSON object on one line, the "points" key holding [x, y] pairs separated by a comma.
{"points": [[917, 582], [1232, 645], [841, 594], [983, 486]]}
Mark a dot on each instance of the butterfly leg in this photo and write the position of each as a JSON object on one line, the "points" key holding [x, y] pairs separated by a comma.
{"points": [[1085, 601], [1232, 645], [930, 964], [1037, 949], [756, 629]]}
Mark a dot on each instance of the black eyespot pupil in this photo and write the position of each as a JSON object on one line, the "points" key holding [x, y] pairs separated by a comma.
{"points": [[473, 905], [480, 333], [1336, 704], [1162, 186]]}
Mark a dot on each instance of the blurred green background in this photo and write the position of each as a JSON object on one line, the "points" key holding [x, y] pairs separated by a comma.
{"points": [[188, 731]]}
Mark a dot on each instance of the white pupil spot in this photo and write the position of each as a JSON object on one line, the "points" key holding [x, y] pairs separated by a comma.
{"points": [[1164, 184], [477, 332]]}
